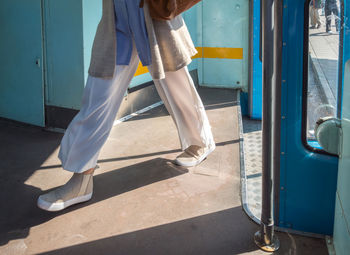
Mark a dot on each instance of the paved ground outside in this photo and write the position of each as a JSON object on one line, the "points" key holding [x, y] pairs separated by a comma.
{"points": [[323, 73], [142, 202]]}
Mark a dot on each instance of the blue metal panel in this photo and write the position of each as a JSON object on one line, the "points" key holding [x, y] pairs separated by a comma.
{"points": [[255, 106], [64, 53], [308, 180], [21, 79], [225, 24]]}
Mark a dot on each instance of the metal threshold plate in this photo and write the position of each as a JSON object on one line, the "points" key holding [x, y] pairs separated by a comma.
{"points": [[252, 169]]}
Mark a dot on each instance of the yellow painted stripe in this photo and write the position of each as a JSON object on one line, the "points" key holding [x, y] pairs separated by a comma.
{"points": [[199, 54], [215, 52], [206, 52]]}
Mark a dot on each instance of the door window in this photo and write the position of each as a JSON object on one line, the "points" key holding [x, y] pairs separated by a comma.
{"points": [[322, 64]]}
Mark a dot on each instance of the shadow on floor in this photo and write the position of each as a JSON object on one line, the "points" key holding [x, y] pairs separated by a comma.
{"points": [[21, 213], [199, 235], [224, 232], [321, 34], [23, 149], [153, 154]]}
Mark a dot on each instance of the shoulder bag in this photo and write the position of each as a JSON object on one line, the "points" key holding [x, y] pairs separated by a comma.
{"points": [[168, 9]]}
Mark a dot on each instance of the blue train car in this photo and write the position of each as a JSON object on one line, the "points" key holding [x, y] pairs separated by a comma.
{"points": [[287, 62]]}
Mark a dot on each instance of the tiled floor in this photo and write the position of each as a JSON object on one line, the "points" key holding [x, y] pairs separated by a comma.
{"points": [[253, 165]]}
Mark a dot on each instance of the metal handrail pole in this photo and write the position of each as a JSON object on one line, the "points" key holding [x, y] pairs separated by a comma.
{"points": [[271, 27], [267, 54]]}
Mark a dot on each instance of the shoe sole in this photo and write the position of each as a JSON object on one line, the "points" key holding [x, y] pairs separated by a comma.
{"points": [[195, 163], [54, 207]]}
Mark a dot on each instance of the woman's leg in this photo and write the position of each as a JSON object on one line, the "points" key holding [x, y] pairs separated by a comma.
{"points": [[328, 15], [317, 18], [90, 129], [182, 101], [312, 16], [335, 12], [86, 135]]}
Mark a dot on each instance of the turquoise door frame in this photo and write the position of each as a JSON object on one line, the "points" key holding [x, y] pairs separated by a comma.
{"points": [[21, 51], [341, 233], [255, 83]]}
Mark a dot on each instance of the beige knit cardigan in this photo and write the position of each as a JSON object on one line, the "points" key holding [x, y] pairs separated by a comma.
{"points": [[170, 42]]}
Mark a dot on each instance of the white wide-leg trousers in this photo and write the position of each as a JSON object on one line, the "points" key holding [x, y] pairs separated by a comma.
{"points": [[90, 128]]}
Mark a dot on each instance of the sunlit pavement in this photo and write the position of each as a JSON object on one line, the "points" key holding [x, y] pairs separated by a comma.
{"points": [[324, 52], [143, 203]]}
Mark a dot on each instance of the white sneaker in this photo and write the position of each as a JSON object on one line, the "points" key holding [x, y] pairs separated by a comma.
{"points": [[77, 190], [193, 155]]}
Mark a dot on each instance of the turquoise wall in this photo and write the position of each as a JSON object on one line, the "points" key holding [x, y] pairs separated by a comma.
{"points": [[68, 50], [61, 33], [225, 24], [191, 19]]}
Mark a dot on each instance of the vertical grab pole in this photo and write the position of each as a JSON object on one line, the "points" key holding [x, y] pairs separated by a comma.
{"points": [[265, 238]]}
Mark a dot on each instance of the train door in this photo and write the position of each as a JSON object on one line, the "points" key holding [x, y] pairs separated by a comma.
{"points": [[325, 108], [312, 184], [21, 51]]}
